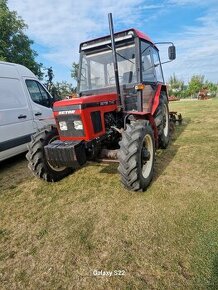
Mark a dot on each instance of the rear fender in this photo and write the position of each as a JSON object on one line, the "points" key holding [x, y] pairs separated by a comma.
{"points": [[156, 99]]}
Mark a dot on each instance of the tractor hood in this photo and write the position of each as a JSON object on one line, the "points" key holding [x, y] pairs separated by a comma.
{"points": [[83, 118], [86, 102]]}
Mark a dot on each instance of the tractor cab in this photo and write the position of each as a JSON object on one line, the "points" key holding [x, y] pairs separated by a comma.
{"points": [[138, 63], [96, 73]]}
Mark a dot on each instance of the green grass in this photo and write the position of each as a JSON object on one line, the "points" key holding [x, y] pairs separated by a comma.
{"points": [[53, 236]]}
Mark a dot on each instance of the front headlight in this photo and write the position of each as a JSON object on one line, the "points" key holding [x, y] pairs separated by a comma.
{"points": [[63, 126], [78, 125]]}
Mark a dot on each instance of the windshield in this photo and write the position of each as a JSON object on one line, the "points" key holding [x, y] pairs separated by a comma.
{"points": [[97, 70]]}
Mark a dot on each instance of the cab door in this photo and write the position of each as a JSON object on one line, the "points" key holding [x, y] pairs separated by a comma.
{"points": [[41, 102], [148, 76]]}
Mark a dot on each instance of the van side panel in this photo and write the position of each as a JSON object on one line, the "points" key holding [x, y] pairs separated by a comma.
{"points": [[16, 121], [8, 71], [12, 102], [20, 116]]}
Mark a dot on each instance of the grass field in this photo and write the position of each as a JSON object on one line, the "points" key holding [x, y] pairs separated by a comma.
{"points": [[53, 236]]}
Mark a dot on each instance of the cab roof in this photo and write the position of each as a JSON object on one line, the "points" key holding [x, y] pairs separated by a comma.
{"points": [[117, 36]]}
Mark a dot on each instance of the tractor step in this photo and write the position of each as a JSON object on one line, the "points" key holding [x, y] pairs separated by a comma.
{"points": [[105, 160], [108, 156]]}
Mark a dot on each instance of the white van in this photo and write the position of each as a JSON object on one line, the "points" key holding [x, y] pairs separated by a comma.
{"points": [[25, 107]]}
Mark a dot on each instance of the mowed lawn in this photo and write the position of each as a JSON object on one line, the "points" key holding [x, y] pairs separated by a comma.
{"points": [[54, 235]]}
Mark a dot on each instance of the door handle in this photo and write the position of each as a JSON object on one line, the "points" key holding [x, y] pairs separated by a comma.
{"points": [[38, 114], [21, 116]]}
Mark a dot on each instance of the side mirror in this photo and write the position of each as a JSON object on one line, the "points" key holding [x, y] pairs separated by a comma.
{"points": [[172, 52]]}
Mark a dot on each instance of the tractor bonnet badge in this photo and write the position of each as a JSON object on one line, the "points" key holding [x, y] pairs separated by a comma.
{"points": [[66, 112]]}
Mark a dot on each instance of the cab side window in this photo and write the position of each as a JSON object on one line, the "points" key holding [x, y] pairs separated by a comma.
{"points": [[148, 73], [157, 65], [38, 93]]}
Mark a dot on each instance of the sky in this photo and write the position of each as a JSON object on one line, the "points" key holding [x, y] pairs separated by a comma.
{"points": [[57, 28]]}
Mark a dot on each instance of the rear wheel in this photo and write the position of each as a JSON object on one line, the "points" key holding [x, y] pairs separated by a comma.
{"points": [[162, 122], [38, 164], [136, 156]]}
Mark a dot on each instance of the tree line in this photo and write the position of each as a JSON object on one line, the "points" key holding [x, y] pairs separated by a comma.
{"points": [[196, 84]]}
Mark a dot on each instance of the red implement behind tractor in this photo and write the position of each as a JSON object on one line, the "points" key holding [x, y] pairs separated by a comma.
{"points": [[121, 110]]}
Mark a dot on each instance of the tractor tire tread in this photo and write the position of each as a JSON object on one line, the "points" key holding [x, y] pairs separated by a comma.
{"points": [[128, 154], [36, 158]]}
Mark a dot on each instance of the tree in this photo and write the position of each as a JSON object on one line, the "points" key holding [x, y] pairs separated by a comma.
{"points": [[58, 90], [196, 84], [50, 76], [212, 88], [75, 70], [64, 89], [74, 73], [15, 46], [50, 85], [176, 86]]}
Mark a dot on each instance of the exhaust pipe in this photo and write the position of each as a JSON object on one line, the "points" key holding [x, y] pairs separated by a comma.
{"points": [[111, 27]]}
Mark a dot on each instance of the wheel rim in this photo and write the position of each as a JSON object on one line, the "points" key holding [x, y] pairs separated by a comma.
{"points": [[165, 121], [147, 161], [55, 168]]}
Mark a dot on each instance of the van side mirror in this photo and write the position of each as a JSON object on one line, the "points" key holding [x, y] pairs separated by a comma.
{"points": [[172, 52]]}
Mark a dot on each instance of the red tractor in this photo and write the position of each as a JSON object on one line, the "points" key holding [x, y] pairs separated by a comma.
{"points": [[121, 111]]}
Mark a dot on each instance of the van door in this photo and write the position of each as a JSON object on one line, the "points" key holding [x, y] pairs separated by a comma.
{"points": [[41, 102], [16, 123]]}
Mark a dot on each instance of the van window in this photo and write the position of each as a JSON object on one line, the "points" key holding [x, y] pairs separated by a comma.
{"points": [[11, 94], [38, 93]]}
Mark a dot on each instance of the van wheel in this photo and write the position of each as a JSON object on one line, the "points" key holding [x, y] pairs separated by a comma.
{"points": [[37, 159]]}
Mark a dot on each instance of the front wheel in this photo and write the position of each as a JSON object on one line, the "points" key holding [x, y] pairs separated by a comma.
{"points": [[38, 164], [136, 156]]}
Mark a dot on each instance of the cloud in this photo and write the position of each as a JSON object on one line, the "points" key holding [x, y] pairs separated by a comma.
{"points": [[197, 49], [62, 25], [59, 26], [152, 6], [190, 2]]}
